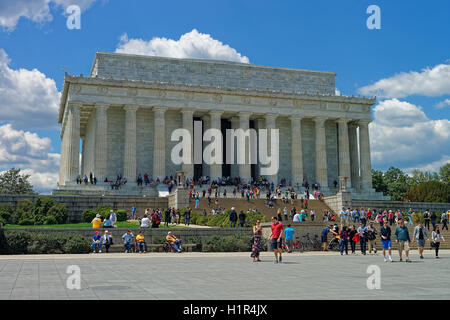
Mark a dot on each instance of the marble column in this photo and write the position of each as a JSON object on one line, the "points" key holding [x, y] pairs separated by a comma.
{"points": [[271, 124], [296, 151], [216, 169], [159, 147], [354, 159], [206, 125], [234, 167], [344, 151], [83, 156], [321, 154], [259, 124], [188, 124], [101, 142], [364, 153], [129, 159], [245, 170], [70, 146]]}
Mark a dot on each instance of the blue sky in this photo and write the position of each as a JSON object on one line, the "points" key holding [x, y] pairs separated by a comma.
{"points": [[317, 35]]}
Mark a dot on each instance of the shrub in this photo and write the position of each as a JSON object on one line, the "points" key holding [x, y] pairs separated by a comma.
{"points": [[232, 243], [26, 222], [88, 215], [21, 242], [5, 212], [50, 220], [59, 212], [121, 215], [2, 221]]}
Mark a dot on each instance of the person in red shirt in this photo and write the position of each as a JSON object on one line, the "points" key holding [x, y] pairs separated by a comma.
{"points": [[275, 237]]}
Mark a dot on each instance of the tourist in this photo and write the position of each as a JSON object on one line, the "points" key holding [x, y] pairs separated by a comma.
{"points": [[391, 217], [343, 242], [242, 218], [174, 241], [257, 241], [410, 216], [444, 220], [133, 212], [289, 238], [107, 223], [140, 242], [362, 230], [113, 218], [402, 238], [426, 218], [233, 218], [279, 217], [145, 222], [275, 238], [167, 217], [380, 219], [96, 222], [385, 235], [353, 238], [302, 216], [187, 217], [312, 214], [296, 217], [420, 234], [197, 201], [371, 237], [127, 240], [107, 240], [343, 217], [156, 220], [96, 242], [177, 217], [324, 236], [363, 217], [436, 237], [433, 219], [285, 213]]}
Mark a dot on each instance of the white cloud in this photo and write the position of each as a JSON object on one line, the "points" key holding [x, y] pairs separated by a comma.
{"points": [[442, 104], [337, 92], [403, 136], [35, 10], [28, 99], [193, 45], [29, 152], [431, 82]]}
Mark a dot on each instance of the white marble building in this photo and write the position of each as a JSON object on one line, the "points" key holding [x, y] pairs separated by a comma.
{"points": [[122, 115]]}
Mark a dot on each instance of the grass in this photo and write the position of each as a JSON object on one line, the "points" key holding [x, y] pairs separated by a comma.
{"points": [[83, 225]]}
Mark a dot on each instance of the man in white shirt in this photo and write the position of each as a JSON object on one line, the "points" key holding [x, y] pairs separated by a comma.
{"points": [[145, 222], [296, 217], [343, 216]]}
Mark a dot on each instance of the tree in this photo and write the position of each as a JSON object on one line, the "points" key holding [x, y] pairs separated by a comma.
{"points": [[444, 173], [378, 182], [431, 191], [418, 176], [13, 182], [397, 182]]}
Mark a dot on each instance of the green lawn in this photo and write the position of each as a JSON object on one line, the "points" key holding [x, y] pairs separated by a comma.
{"points": [[84, 225]]}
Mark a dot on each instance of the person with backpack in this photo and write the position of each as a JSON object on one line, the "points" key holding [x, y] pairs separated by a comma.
{"points": [[362, 230], [433, 219], [155, 220], [343, 241], [436, 237], [352, 238], [426, 218], [420, 234], [444, 220], [233, 218]]}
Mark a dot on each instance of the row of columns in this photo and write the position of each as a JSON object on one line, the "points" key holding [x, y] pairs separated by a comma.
{"points": [[347, 145]]}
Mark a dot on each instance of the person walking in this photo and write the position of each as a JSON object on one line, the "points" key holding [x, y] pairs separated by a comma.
{"points": [[242, 218], [444, 220], [187, 216], [420, 234], [285, 213], [275, 238], [257, 241], [312, 214], [343, 242], [371, 237], [351, 238], [362, 230], [433, 219], [410, 216], [436, 237], [426, 218], [402, 238], [324, 236], [289, 238], [385, 235], [233, 218]]}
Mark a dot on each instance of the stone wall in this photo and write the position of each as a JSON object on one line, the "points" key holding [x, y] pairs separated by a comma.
{"points": [[301, 229], [416, 206], [77, 204], [211, 73]]}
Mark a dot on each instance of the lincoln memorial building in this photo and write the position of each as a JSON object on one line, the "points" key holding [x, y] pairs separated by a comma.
{"points": [[119, 121]]}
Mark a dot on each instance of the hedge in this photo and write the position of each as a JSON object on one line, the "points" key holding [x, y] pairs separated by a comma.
{"points": [[23, 242], [221, 220], [35, 213]]}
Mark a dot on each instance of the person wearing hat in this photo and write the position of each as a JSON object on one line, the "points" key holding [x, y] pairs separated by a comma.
{"points": [[127, 240], [174, 241], [107, 240], [96, 222], [96, 243], [233, 218]]}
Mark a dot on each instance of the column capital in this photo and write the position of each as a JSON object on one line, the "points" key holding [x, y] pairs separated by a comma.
{"points": [[74, 104], [364, 122], [320, 119], [131, 108], [343, 120], [270, 116], [294, 118], [101, 106], [188, 111], [160, 109], [244, 114], [215, 113]]}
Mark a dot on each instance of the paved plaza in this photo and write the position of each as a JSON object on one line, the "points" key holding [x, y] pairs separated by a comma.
{"points": [[223, 276]]}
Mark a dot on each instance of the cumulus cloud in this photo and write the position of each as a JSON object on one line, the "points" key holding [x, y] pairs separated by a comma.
{"points": [[28, 99], [442, 104], [403, 136], [193, 45], [31, 153], [35, 10], [431, 82]]}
